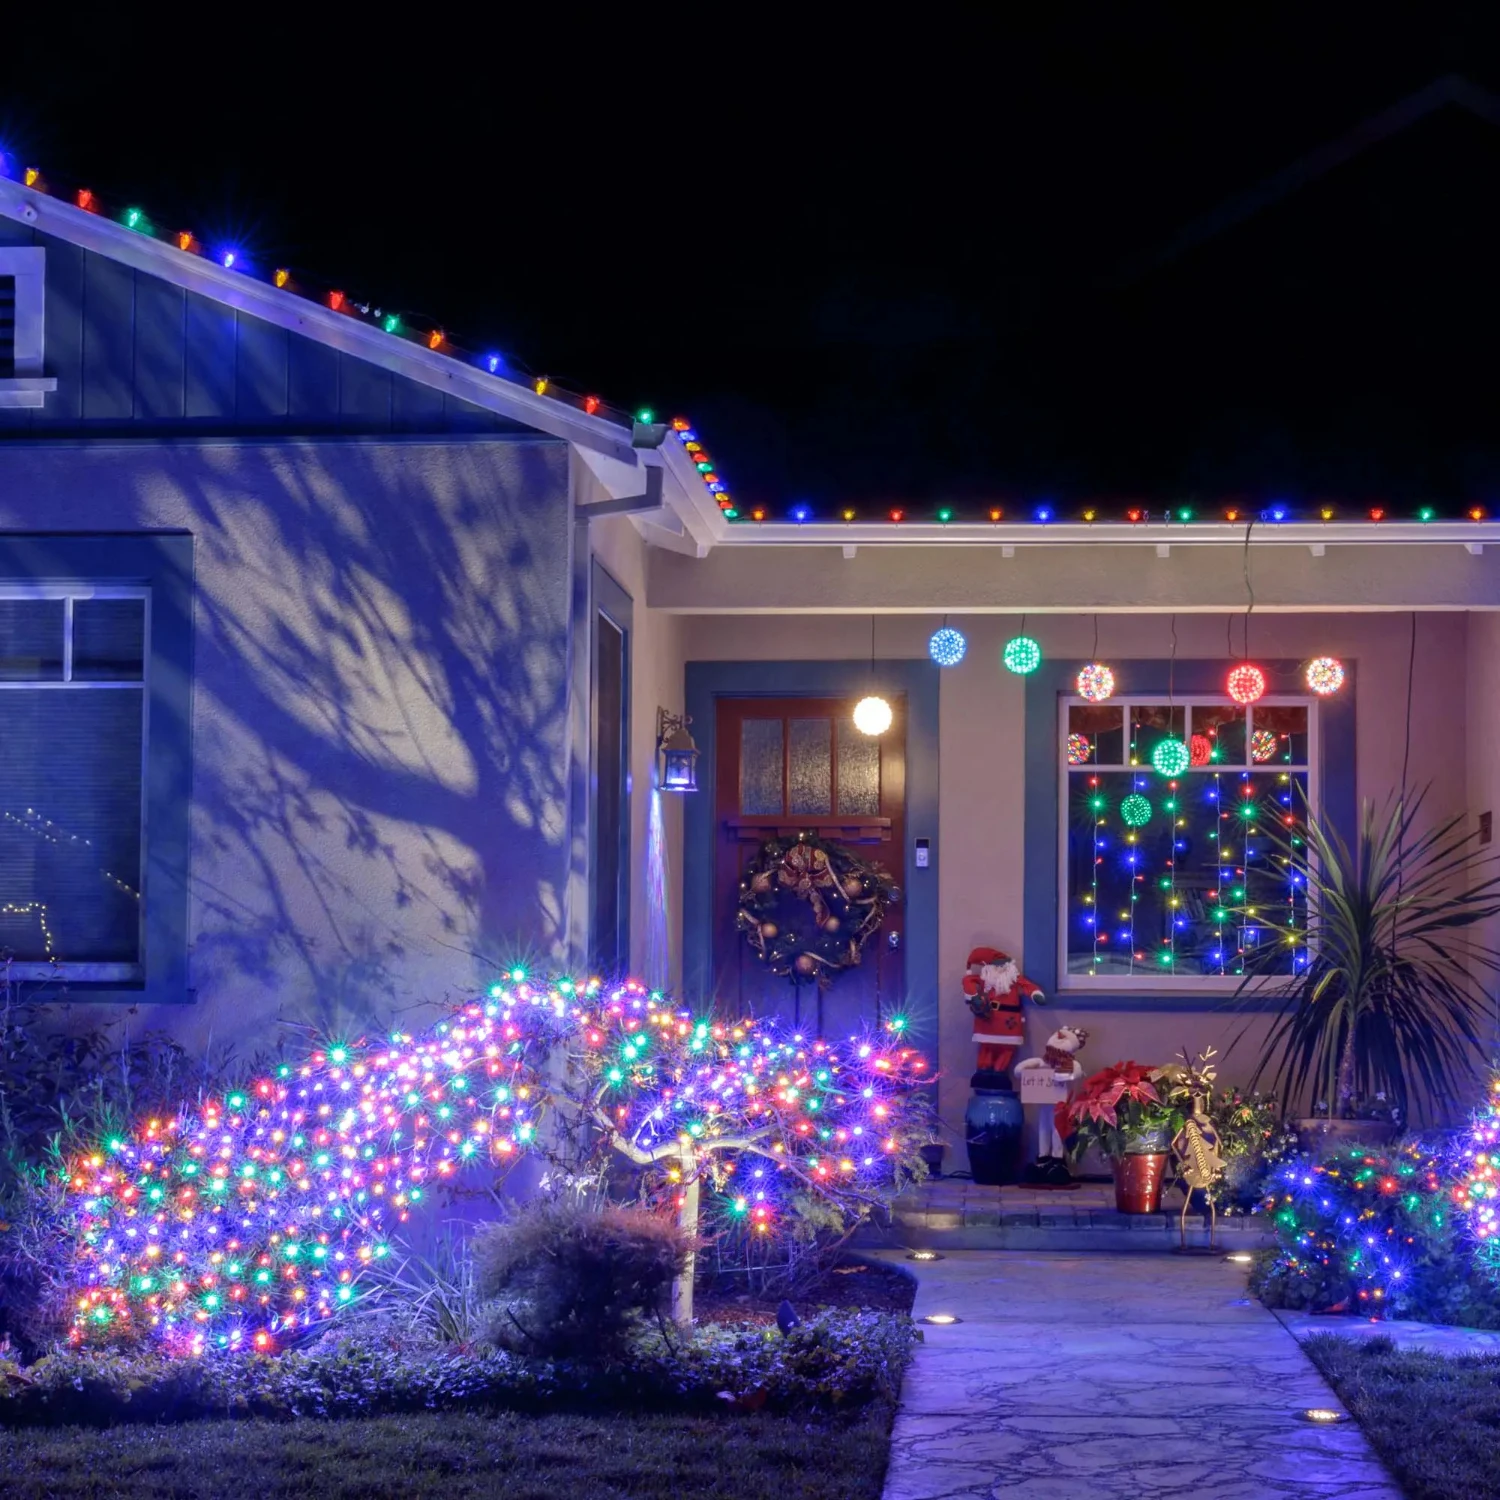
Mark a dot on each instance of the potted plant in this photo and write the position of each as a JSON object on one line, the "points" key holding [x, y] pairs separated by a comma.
{"points": [[1120, 1111], [1390, 1005]]}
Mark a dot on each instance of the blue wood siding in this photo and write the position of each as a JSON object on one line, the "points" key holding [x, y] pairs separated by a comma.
{"points": [[136, 356]]}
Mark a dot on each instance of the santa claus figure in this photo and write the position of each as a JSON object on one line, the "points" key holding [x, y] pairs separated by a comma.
{"points": [[994, 989], [1059, 1062]]}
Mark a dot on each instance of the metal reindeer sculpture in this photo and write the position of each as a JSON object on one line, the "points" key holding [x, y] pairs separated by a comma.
{"points": [[1196, 1144]]}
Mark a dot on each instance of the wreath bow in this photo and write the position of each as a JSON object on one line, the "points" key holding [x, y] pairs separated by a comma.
{"points": [[806, 871]]}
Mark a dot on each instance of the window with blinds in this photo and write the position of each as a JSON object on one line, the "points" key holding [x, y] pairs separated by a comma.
{"points": [[72, 747]]}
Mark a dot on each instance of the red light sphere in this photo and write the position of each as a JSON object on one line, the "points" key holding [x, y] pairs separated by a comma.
{"points": [[1200, 750], [1246, 684]]}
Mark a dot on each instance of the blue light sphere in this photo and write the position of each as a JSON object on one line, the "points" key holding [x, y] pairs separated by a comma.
{"points": [[947, 646]]}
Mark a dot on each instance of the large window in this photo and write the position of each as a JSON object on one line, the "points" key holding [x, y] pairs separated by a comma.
{"points": [[1183, 882], [72, 752]]}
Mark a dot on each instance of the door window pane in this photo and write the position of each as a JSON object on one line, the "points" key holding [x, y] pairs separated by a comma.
{"points": [[760, 767], [810, 766], [859, 772]]}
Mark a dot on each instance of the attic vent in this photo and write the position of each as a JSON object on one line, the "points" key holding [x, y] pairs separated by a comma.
{"points": [[7, 327]]}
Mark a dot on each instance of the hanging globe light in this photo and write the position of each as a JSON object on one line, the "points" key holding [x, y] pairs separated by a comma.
{"points": [[1079, 749], [1171, 757], [947, 646], [872, 715], [1022, 655], [1246, 684], [1096, 682], [1325, 675], [1262, 746], [1136, 810], [1200, 749]]}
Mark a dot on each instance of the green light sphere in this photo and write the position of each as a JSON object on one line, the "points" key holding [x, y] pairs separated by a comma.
{"points": [[1022, 655], [1171, 757], [1136, 810]]}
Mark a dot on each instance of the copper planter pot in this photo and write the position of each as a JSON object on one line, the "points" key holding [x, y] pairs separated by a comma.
{"points": [[1139, 1180]]}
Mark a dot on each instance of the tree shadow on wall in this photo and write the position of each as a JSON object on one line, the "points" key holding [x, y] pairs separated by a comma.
{"points": [[379, 798]]}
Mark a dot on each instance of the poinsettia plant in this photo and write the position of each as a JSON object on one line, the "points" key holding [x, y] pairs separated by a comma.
{"points": [[1117, 1106]]}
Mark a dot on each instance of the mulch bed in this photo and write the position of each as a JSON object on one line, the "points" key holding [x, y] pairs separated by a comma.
{"points": [[852, 1283]]}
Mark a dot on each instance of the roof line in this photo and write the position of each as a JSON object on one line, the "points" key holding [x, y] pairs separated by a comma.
{"points": [[287, 310], [1452, 89]]}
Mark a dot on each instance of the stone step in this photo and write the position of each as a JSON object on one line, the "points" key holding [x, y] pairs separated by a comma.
{"points": [[961, 1216]]}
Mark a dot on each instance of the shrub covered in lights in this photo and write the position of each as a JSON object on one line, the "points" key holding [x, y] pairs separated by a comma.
{"points": [[1404, 1232], [249, 1220]]}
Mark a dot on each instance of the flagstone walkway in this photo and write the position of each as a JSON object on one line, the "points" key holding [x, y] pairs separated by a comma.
{"points": [[1113, 1377]]}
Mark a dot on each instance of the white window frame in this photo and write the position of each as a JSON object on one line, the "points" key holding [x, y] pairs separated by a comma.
{"points": [[1156, 983], [70, 593], [28, 386]]}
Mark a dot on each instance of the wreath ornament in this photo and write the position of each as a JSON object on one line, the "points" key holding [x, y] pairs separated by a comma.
{"points": [[808, 907]]}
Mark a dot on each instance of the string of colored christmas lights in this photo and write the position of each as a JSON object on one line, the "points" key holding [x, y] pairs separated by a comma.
{"points": [[249, 1220], [1184, 877]]}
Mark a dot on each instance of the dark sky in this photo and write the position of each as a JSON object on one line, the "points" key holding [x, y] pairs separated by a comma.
{"points": [[873, 262]]}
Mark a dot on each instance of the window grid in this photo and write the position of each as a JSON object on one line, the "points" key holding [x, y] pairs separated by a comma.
{"points": [[129, 882], [1085, 793]]}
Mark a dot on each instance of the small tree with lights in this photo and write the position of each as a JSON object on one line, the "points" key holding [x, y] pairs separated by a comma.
{"points": [[736, 1121]]}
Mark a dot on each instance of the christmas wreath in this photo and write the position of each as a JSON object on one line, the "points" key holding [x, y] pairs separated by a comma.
{"points": [[807, 907]]}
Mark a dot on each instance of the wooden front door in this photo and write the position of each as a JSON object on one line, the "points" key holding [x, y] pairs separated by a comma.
{"points": [[793, 765]]}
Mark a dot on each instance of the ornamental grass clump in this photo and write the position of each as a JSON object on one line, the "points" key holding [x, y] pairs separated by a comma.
{"points": [[575, 1282]]}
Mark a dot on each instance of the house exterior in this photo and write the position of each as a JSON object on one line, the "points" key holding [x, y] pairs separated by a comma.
{"points": [[332, 659]]}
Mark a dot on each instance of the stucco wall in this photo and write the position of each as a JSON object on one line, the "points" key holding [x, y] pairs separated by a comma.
{"points": [[978, 842], [381, 638]]}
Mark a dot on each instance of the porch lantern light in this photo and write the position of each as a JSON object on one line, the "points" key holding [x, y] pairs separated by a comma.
{"points": [[679, 755], [872, 715]]}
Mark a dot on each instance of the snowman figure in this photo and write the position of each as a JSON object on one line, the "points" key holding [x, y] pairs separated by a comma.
{"points": [[1059, 1063]]}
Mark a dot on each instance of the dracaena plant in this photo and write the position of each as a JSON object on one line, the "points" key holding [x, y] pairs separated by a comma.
{"points": [[1389, 1002], [1116, 1105]]}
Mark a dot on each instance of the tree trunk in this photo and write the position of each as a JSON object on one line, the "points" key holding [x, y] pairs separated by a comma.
{"points": [[687, 1221]]}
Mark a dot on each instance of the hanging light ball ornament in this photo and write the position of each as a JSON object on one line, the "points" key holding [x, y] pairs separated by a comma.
{"points": [[1246, 684], [947, 646], [1262, 746], [872, 715], [1079, 749], [1096, 682], [1200, 749], [1022, 655], [1136, 810], [1171, 757], [1325, 675]]}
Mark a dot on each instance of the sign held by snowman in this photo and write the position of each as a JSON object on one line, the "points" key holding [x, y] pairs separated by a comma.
{"points": [[1050, 1079]]}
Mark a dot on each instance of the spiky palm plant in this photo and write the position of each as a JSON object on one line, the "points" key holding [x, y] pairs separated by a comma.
{"points": [[1392, 999]]}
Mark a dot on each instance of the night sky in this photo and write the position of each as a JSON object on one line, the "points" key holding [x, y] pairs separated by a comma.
{"points": [[875, 264]]}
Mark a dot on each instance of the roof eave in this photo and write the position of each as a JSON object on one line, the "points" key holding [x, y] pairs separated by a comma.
{"points": [[337, 330]]}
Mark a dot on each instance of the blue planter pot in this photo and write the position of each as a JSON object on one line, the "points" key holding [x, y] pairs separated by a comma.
{"points": [[994, 1125]]}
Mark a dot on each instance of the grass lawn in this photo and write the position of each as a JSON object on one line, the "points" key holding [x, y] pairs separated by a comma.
{"points": [[1433, 1419], [458, 1456]]}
